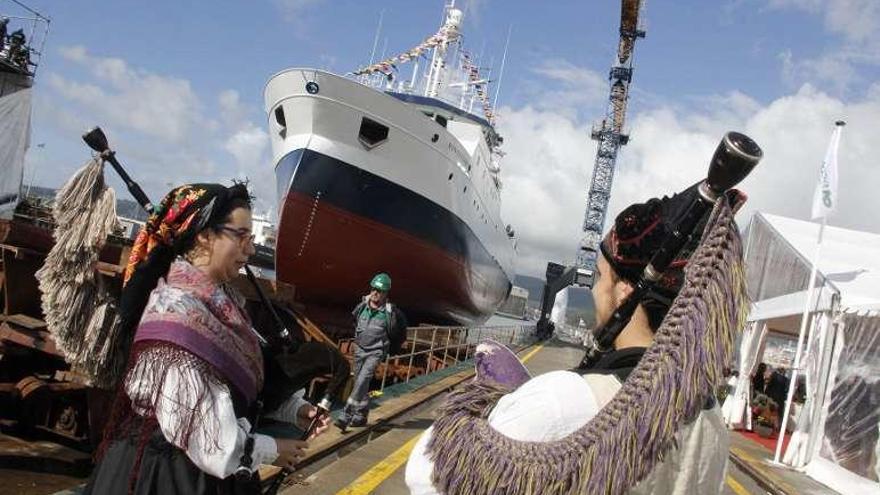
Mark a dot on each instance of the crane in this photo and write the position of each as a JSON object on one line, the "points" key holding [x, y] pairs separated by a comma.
{"points": [[610, 135]]}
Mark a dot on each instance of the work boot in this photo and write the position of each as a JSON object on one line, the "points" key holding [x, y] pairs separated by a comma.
{"points": [[341, 424], [358, 422]]}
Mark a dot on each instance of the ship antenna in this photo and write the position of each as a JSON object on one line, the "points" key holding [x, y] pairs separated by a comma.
{"points": [[501, 72], [376, 37]]}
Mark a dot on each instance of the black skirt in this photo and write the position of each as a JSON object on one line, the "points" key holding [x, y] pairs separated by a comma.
{"points": [[164, 469]]}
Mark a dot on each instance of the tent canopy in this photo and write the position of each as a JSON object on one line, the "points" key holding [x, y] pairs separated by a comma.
{"points": [[779, 256]]}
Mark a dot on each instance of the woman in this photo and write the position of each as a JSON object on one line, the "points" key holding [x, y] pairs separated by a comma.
{"points": [[195, 369]]}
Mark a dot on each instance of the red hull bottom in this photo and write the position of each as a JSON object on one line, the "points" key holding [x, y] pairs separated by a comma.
{"points": [[330, 255]]}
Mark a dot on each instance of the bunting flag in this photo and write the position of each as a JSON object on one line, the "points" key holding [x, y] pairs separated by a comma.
{"points": [[387, 66], [473, 75], [447, 34]]}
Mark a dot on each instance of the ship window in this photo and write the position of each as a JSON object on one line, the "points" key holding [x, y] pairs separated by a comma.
{"points": [[450, 176], [441, 120], [279, 116], [372, 133]]}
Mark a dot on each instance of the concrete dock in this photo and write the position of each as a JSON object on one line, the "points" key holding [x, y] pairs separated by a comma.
{"points": [[373, 459]]}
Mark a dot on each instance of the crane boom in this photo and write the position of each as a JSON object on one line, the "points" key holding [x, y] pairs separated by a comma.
{"points": [[610, 135]]}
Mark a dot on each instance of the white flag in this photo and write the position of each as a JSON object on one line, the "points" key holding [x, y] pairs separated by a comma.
{"points": [[825, 198]]}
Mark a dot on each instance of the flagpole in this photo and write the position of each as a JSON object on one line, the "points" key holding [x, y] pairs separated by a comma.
{"points": [[824, 202], [805, 317]]}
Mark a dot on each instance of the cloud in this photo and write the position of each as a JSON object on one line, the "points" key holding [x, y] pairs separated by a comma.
{"points": [[232, 111], [248, 146], [160, 106], [158, 123], [550, 158], [856, 22], [566, 87]]}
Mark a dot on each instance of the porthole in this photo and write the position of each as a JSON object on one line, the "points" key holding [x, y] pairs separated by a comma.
{"points": [[312, 88], [450, 176]]}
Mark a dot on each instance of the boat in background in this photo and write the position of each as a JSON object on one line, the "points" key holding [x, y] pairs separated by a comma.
{"points": [[378, 174]]}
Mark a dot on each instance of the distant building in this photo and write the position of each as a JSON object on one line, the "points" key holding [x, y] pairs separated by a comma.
{"points": [[265, 231], [130, 227], [515, 305]]}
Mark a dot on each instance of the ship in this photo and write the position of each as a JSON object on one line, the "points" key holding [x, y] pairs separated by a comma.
{"points": [[376, 173]]}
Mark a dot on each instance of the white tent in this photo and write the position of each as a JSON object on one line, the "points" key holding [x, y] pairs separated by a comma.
{"points": [[836, 434]]}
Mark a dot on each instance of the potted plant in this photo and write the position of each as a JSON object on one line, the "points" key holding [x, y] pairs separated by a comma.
{"points": [[764, 426], [764, 410]]}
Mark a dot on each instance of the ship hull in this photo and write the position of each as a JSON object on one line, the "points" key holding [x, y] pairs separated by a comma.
{"points": [[368, 183], [340, 225]]}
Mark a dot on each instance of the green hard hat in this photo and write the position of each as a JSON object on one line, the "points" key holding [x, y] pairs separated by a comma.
{"points": [[381, 282]]}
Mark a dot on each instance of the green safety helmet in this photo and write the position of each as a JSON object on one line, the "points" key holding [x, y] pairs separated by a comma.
{"points": [[381, 282]]}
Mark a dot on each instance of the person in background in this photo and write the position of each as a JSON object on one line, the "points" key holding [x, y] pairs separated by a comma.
{"points": [[379, 328], [180, 421], [776, 387], [4, 28], [758, 379]]}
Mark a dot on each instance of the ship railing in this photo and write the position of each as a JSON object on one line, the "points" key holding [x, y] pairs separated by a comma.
{"points": [[426, 344]]}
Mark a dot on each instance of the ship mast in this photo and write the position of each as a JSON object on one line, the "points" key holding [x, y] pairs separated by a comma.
{"points": [[450, 29]]}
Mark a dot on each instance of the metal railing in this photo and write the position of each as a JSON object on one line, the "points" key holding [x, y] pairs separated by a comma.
{"points": [[424, 347]]}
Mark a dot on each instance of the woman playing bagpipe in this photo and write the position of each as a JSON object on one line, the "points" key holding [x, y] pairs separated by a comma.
{"points": [[196, 367], [638, 415]]}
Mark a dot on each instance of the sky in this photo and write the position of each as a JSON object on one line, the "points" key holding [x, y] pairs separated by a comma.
{"points": [[178, 86]]}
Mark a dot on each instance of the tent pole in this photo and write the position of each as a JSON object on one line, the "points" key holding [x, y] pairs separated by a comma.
{"points": [[799, 354]]}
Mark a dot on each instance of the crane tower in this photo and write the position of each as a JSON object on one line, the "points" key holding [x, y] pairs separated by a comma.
{"points": [[609, 133]]}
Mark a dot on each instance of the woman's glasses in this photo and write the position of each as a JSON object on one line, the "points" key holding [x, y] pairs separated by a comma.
{"points": [[244, 236]]}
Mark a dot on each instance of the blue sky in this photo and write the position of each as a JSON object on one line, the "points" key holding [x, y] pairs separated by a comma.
{"points": [[178, 87]]}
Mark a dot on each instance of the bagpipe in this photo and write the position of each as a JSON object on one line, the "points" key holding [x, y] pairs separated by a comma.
{"points": [[734, 158], [291, 363]]}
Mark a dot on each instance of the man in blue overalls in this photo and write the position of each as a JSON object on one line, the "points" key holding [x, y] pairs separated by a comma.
{"points": [[377, 329]]}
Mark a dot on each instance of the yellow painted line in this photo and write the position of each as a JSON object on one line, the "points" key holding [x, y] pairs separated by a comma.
{"points": [[735, 486], [374, 477], [532, 353]]}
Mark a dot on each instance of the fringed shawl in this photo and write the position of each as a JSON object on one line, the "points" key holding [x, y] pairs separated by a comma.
{"points": [[629, 436], [189, 311], [198, 329]]}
